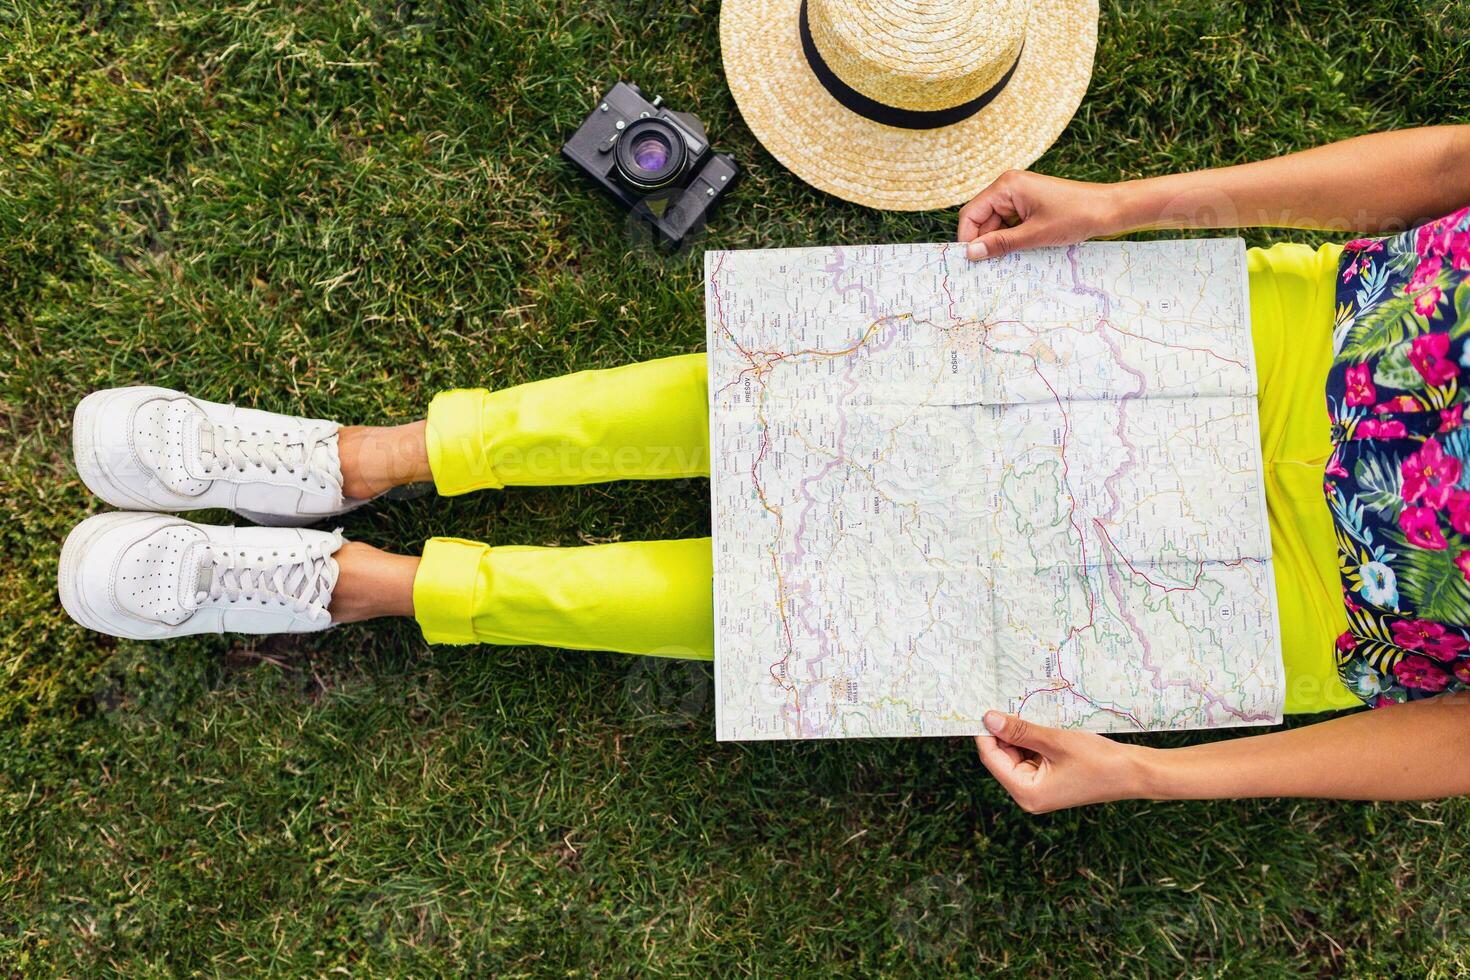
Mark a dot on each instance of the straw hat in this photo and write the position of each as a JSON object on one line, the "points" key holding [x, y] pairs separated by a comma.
{"points": [[907, 104]]}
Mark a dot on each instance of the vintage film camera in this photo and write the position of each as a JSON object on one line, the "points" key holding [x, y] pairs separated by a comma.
{"points": [[657, 162]]}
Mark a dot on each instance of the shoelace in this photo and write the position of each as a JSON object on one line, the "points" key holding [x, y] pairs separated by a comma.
{"points": [[227, 447], [304, 583]]}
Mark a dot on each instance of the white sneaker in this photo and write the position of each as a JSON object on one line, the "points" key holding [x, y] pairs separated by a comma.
{"points": [[154, 449], [153, 576]]}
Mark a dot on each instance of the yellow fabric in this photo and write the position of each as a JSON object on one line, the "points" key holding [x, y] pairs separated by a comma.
{"points": [[650, 421], [651, 597], [637, 422], [1292, 289]]}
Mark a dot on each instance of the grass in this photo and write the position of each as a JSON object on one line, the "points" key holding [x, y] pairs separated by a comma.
{"points": [[341, 207]]}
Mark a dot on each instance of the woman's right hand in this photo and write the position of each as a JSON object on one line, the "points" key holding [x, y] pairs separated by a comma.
{"points": [[1021, 209]]}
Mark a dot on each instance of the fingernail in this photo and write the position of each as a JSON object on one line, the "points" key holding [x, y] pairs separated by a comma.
{"points": [[995, 721], [976, 250]]}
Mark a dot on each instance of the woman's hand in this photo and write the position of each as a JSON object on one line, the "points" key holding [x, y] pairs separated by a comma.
{"points": [[1024, 210], [1048, 769]]}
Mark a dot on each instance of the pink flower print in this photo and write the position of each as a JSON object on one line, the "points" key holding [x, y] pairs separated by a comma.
{"points": [[1334, 462], [1451, 418], [1360, 390], [1427, 354], [1460, 250], [1347, 600], [1421, 285], [1379, 429], [1450, 646], [1422, 530], [1424, 273], [1462, 671], [1463, 564], [1412, 634], [1402, 403], [1435, 237], [1431, 346], [1459, 511], [1346, 641], [1429, 240], [1425, 302], [1364, 245], [1430, 638], [1429, 475], [1438, 642], [1419, 674], [1452, 242]]}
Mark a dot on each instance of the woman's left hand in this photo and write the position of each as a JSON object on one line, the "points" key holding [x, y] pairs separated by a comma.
{"points": [[1048, 769]]}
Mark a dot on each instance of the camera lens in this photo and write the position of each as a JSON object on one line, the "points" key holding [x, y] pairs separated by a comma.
{"points": [[650, 154]]}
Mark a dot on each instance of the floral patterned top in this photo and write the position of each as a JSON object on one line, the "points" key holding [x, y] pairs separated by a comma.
{"points": [[1398, 480]]}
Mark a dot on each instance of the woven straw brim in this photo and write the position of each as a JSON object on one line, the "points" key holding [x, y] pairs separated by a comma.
{"points": [[838, 151]]}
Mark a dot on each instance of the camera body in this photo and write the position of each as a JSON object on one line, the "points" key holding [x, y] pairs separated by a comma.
{"points": [[657, 162]]}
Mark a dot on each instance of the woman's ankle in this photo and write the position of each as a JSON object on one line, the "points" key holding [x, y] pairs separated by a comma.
{"points": [[371, 583], [379, 458]]}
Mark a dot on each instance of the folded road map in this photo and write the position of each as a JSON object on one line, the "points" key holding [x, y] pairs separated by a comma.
{"points": [[1030, 484]]}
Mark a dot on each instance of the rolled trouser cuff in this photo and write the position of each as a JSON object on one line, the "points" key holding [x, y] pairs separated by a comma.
{"points": [[459, 452], [451, 580], [650, 597]]}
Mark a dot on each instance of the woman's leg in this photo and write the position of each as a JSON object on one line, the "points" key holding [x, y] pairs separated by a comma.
{"points": [[372, 583], [648, 597], [642, 421], [376, 458]]}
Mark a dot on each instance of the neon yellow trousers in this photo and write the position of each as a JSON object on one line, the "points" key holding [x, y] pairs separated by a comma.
{"points": [[650, 421], [645, 421]]}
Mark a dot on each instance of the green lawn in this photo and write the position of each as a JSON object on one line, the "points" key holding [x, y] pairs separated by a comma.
{"points": [[338, 208]]}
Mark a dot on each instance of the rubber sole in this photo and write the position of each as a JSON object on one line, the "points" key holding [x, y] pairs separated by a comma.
{"points": [[68, 573]]}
